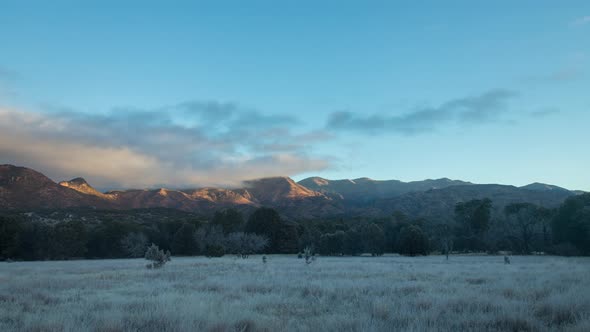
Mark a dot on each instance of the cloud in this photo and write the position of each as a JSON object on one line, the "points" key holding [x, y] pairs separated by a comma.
{"points": [[564, 74], [7, 78], [581, 21], [544, 112], [484, 108], [182, 145]]}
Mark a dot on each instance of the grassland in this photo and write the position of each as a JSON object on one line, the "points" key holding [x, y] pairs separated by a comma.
{"points": [[468, 293]]}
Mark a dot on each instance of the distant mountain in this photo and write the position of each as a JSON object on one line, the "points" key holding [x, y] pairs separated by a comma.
{"points": [[365, 189], [440, 203], [23, 188]]}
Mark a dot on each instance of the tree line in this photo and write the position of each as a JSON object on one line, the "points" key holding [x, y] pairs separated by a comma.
{"points": [[477, 226]]}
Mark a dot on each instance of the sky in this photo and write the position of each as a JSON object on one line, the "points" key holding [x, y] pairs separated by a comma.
{"points": [[181, 94]]}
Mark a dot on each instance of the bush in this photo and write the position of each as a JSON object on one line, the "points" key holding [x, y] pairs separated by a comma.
{"points": [[157, 257]]}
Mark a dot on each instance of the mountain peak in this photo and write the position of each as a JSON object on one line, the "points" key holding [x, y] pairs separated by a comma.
{"points": [[316, 180], [21, 176], [79, 184], [538, 186], [79, 181], [273, 189], [363, 179]]}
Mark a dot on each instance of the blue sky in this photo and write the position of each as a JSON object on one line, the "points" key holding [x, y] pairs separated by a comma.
{"points": [[189, 93]]}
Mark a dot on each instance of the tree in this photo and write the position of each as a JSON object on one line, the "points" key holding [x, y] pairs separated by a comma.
{"points": [[105, 240], [332, 244], [374, 240], [245, 244], [473, 221], [525, 219], [230, 220], [266, 222], [310, 237], [69, 240], [210, 240], [10, 228], [413, 241], [445, 238], [183, 242], [571, 224], [353, 242], [287, 238], [135, 244]]}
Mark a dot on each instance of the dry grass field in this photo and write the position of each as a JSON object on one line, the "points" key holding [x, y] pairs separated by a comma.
{"points": [[390, 293]]}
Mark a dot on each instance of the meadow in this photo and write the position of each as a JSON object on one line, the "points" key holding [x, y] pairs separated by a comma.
{"points": [[388, 293]]}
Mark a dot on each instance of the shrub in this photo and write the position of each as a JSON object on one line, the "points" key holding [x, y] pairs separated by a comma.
{"points": [[157, 257]]}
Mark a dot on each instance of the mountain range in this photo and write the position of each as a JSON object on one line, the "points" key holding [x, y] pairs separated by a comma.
{"points": [[23, 188]]}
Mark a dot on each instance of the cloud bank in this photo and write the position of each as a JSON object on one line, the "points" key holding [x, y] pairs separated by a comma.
{"points": [[184, 145]]}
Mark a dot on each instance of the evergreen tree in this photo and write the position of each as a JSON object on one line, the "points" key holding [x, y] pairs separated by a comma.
{"points": [[374, 240], [230, 220], [266, 222], [183, 242], [571, 224], [413, 241]]}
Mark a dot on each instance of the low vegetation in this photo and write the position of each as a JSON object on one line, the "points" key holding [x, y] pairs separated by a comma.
{"points": [[465, 293]]}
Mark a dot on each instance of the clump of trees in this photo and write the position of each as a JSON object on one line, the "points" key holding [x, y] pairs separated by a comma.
{"points": [[477, 226]]}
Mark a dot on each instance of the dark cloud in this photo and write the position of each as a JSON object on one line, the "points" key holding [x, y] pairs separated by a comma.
{"points": [[484, 108], [188, 144]]}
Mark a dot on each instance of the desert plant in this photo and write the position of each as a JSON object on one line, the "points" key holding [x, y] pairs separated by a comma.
{"points": [[157, 257]]}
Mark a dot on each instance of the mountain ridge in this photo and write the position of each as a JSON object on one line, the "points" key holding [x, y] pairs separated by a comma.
{"points": [[314, 197]]}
